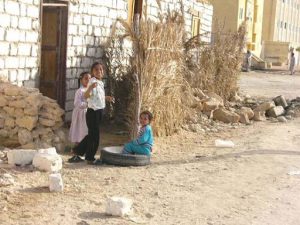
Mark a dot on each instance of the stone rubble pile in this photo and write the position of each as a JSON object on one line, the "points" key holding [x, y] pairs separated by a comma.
{"points": [[31, 119], [239, 110]]}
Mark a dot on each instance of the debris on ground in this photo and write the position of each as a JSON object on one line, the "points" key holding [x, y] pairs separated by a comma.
{"points": [[55, 182], [224, 143], [118, 206], [6, 180], [47, 160]]}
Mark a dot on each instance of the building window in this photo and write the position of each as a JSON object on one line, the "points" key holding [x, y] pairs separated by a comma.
{"points": [[195, 26]]}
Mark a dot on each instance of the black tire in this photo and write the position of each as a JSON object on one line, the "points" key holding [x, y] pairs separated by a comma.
{"points": [[119, 159]]}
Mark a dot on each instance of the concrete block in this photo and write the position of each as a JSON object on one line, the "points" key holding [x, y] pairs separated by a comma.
{"points": [[56, 183], [25, 23], [12, 35], [33, 11], [280, 101], [47, 162], [118, 206], [20, 156], [12, 8], [275, 111]]}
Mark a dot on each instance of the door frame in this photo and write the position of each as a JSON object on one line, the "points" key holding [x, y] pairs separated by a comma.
{"points": [[61, 52]]}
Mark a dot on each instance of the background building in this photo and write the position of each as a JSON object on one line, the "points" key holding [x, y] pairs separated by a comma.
{"points": [[281, 30], [230, 15]]}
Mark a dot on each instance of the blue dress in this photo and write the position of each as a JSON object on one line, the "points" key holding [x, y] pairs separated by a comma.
{"points": [[143, 144]]}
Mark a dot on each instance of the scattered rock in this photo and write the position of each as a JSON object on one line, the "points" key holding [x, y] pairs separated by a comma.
{"points": [[47, 162], [280, 101], [225, 116], [282, 119], [56, 183], [265, 106], [275, 111], [20, 157], [259, 116], [118, 206], [6, 180], [244, 119]]}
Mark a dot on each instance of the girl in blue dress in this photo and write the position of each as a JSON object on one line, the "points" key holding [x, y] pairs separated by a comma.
{"points": [[143, 144]]}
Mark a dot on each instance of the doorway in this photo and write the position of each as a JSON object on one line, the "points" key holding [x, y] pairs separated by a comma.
{"points": [[54, 45]]}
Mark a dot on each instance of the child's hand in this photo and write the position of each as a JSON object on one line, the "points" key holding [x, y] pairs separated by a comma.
{"points": [[93, 85]]}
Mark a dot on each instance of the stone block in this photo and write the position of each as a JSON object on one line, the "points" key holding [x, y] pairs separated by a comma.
{"points": [[4, 48], [20, 156], [31, 62], [12, 75], [5, 20], [12, 8], [25, 23], [275, 111], [33, 11], [12, 35], [9, 111], [265, 106], [73, 29], [17, 104], [225, 116], [87, 20], [31, 111], [259, 116], [210, 104], [118, 206], [282, 119], [77, 41], [32, 36], [244, 119], [280, 101], [47, 162], [24, 49], [46, 122], [56, 183], [245, 110], [3, 101], [19, 112], [28, 122], [24, 136], [9, 122], [34, 51]]}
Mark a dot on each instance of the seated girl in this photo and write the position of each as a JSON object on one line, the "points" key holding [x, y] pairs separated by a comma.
{"points": [[143, 144]]}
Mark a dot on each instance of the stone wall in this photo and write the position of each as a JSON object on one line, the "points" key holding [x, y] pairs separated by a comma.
{"points": [[19, 41]]}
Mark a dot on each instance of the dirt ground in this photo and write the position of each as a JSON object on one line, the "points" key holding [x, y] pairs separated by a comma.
{"points": [[189, 181]]}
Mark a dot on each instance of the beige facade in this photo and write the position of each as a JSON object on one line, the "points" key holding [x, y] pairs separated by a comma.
{"points": [[281, 30], [232, 14]]}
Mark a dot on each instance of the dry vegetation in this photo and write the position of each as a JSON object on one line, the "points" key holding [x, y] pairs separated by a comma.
{"points": [[160, 71]]}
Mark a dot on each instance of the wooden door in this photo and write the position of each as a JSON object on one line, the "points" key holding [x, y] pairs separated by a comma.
{"points": [[53, 56]]}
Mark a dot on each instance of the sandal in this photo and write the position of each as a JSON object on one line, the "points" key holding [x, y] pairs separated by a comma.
{"points": [[75, 159]]}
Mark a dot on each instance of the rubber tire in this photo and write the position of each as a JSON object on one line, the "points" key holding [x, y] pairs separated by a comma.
{"points": [[118, 159]]}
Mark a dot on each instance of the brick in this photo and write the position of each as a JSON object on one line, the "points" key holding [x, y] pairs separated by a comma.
{"points": [[25, 23], [2, 34], [12, 7], [77, 20], [31, 62], [14, 22], [33, 11], [97, 31], [12, 75], [77, 41], [32, 36], [22, 36], [73, 29], [11, 62], [23, 10], [83, 30], [24, 49], [22, 62], [87, 20], [34, 51], [95, 21], [13, 49], [4, 48], [12, 35], [5, 20]]}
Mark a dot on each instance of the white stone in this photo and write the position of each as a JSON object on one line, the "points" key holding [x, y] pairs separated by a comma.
{"points": [[56, 183], [12, 35], [20, 156], [4, 48], [73, 29], [31, 62], [32, 36], [24, 49], [50, 151], [14, 22], [11, 62], [25, 23], [77, 41], [5, 20], [118, 206], [33, 11], [12, 7], [47, 162]]}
